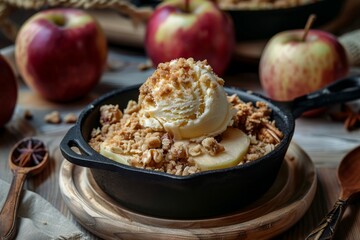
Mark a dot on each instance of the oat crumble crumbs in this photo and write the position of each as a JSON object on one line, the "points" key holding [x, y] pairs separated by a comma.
{"points": [[53, 117], [156, 150], [70, 118], [28, 114]]}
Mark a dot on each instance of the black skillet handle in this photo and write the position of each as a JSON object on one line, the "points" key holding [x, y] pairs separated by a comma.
{"points": [[343, 90], [70, 140]]}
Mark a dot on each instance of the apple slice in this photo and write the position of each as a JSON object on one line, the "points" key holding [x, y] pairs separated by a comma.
{"points": [[105, 150], [236, 144]]}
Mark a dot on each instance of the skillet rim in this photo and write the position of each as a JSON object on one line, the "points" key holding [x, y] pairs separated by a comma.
{"points": [[154, 3], [278, 10], [111, 165]]}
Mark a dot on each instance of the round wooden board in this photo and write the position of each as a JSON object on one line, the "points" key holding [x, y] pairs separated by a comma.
{"points": [[280, 208]]}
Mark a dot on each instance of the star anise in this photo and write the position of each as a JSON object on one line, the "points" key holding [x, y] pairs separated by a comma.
{"points": [[350, 117], [30, 152]]}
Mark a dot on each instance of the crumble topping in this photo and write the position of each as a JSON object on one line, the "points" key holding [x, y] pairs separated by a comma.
{"points": [[156, 150], [53, 117], [176, 75], [151, 146]]}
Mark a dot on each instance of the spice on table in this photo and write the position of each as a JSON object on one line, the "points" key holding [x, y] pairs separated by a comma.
{"points": [[145, 66], [115, 65], [28, 114], [29, 153], [70, 118], [53, 117], [350, 117]]}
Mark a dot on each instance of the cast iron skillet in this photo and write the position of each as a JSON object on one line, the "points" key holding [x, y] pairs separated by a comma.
{"points": [[258, 24], [203, 194], [265, 23]]}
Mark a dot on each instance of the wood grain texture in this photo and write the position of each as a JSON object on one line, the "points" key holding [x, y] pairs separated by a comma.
{"points": [[349, 179], [281, 207], [348, 174], [8, 226]]}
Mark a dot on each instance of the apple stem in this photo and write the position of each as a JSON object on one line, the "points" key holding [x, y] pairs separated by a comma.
{"points": [[187, 6], [308, 25]]}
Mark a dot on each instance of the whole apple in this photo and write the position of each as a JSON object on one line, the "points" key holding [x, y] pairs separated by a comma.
{"points": [[61, 53], [190, 28], [291, 66], [8, 91]]}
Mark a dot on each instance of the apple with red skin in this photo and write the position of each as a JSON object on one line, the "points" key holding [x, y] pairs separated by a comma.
{"points": [[190, 28], [290, 66], [8, 91], [61, 53]]}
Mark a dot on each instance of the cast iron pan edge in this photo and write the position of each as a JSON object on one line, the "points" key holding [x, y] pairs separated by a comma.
{"points": [[261, 24], [90, 158], [341, 91]]}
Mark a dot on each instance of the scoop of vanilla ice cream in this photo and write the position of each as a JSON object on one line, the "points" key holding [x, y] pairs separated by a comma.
{"points": [[186, 99]]}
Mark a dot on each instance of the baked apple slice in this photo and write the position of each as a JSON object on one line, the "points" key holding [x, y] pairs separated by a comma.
{"points": [[106, 150], [236, 144]]}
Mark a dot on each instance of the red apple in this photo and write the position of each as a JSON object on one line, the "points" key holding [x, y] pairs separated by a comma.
{"points": [[291, 67], [8, 91], [190, 28], [61, 53]]}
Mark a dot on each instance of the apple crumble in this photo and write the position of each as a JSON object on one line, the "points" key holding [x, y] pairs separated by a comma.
{"points": [[127, 137]]}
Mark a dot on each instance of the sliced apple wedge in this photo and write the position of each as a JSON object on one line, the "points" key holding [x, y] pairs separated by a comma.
{"points": [[105, 150], [236, 144]]}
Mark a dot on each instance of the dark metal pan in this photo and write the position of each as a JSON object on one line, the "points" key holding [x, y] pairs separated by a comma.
{"points": [[265, 23], [204, 194], [259, 24]]}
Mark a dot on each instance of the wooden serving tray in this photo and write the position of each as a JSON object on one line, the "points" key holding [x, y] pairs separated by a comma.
{"points": [[280, 208]]}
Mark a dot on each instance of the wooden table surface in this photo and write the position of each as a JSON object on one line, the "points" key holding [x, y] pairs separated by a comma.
{"points": [[325, 141]]}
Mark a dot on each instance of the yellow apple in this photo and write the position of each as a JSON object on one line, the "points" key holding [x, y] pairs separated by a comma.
{"points": [[290, 66]]}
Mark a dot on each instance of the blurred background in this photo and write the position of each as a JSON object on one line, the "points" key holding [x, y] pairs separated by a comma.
{"points": [[255, 21]]}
